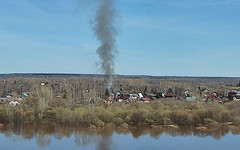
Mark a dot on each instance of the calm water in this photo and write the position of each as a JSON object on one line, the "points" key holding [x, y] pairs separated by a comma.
{"points": [[52, 137]]}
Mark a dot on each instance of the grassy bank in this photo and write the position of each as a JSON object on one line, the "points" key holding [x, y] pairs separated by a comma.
{"points": [[165, 112]]}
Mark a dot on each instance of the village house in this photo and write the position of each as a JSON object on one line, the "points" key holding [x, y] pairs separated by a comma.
{"points": [[3, 99], [238, 84]]}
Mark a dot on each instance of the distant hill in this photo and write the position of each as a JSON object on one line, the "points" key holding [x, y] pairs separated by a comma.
{"points": [[50, 75]]}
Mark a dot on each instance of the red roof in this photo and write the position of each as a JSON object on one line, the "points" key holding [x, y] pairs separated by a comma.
{"points": [[18, 100], [145, 99]]}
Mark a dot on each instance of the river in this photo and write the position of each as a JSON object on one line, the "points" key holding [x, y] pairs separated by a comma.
{"points": [[53, 137]]}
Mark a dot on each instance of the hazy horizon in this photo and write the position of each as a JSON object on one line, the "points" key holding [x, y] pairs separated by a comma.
{"points": [[101, 74]]}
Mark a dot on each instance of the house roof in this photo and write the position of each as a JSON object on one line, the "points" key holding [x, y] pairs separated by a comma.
{"points": [[3, 98], [145, 99], [120, 91]]}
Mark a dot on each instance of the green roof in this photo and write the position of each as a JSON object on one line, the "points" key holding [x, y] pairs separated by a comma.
{"points": [[120, 92]]}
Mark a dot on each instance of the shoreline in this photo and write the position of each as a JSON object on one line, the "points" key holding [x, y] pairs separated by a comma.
{"points": [[169, 113], [114, 127]]}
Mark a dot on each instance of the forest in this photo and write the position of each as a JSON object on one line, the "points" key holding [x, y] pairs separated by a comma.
{"points": [[78, 101]]}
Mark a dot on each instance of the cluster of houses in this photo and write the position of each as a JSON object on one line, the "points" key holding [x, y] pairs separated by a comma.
{"points": [[216, 97], [125, 97], [121, 96], [205, 96], [13, 101], [234, 95]]}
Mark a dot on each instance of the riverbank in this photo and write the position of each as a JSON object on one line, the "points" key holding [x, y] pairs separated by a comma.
{"points": [[160, 112]]}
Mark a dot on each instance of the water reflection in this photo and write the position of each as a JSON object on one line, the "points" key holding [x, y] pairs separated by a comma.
{"points": [[83, 138], [104, 144], [43, 140], [101, 138]]}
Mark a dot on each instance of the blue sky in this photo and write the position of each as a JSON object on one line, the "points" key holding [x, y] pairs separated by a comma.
{"points": [[156, 37]]}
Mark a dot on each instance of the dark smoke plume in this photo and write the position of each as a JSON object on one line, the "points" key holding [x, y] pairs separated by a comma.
{"points": [[104, 144], [105, 31]]}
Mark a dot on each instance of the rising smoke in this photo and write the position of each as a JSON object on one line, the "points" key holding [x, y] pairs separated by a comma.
{"points": [[105, 31]]}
